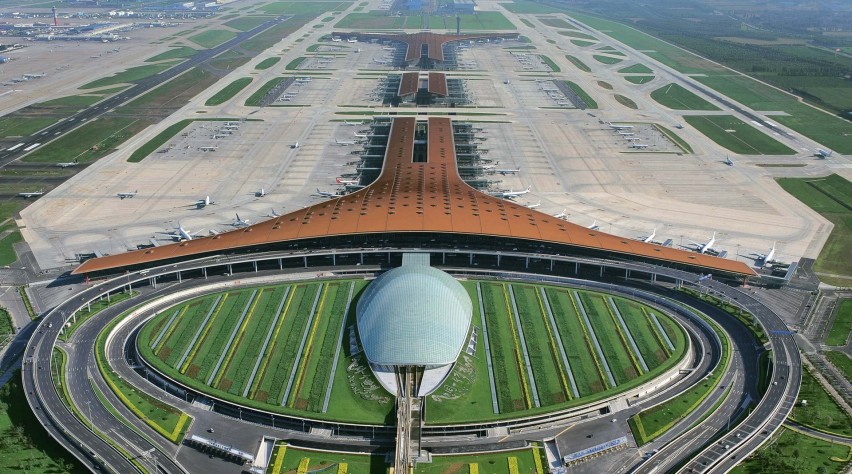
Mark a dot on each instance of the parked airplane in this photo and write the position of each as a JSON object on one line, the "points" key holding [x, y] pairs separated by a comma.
{"points": [[679, 126], [240, 222], [706, 247], [728, 161], [822, 154], [201, 203], [68, 165], [260, 193], [27, 195], [335, 39], [533, 205], [346, 182], [352, 40], [352, 123], [562, 215], [273, 214], [295, 145], [510, 194], [763, 259], [650, 238], [506, 171], [324, 194], [639, 145], [208, 148], [179, 233], [344, 142], [127, 194], [616, 126], [362, 135], [594, 225]]}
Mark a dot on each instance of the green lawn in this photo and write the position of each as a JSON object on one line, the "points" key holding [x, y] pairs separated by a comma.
{"points": [[174, 93], [552, 65], [255, 99], [590, 103], [580, 64], [371, 20], [606, 59], [557, 23], [638, 68], [74, 101], [842, 361], [737, 136], [130, 75], [161, 139], [582, 43], [626, 101], [25, 445], [842, 325], [821, 411], [638, 79], [93, 140], [267, 63], [578, 35], [831, 131], [229, 91], [178, 52], [23, 126], [528, 6], [294, 64], [675, 96], [303, 8], [832, 198], [794, 452], [246, 23], [212, 38]]}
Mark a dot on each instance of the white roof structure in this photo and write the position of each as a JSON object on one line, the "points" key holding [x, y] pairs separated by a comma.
{"points": [[414, 315]]}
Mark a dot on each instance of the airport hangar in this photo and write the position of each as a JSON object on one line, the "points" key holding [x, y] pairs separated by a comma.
{"points": [[419, 201]]}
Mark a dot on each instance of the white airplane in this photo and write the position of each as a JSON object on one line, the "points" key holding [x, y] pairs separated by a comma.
{"points": [[179, 233], [201, 203], [616, 126], [506, 171], [728, 161], [650, 238], [336, 39], [27, 195], [706, 247], [533, 205], [324, 194], [594, 225], [260, 193], [273, 214], [346, 182], [295, 145], [352, 40], [344, 142], [562, 215], [128, 194], [679, 126], [510, 194], [822, 154], [763, 259], [362, 135], [68, 165], [240, 222], [352, 123], [208, 148], [639, 145], [626, 134]]}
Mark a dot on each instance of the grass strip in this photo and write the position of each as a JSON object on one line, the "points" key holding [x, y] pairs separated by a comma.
{"points": [[229, 91]]}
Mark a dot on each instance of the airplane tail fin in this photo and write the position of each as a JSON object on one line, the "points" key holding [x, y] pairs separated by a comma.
{"points": [[529, 187]]}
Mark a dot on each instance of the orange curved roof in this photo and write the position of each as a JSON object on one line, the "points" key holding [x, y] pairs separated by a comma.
{"points": [[416, 197], [435, 41]]}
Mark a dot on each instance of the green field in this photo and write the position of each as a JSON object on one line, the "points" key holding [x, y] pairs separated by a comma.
{"points": [[737, 136], [140, 153], [378, 19], [267, 63], [638, 68], [73, 101], [842, 325], [821, 411], [552, 65], [23, 126], [290, 459], [638, 79], [626, 101], [229, 91], [274, 348], [294, 64], [174, 93], [794, 452], [129, 75], [178, 52], [578, 35], [606, 59], [246, 23], [93, 140], [557, 23], [26, 446], [303, 8], [255, 99], [842, 361], [676, 97], [832, 198], [212, 38], [580, 64], [590, 103], [527, 6], [582, 43], [371, 20]]}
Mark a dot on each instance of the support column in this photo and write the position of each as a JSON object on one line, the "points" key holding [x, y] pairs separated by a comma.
{"points": [[153, 281], [576, 268], [180, 280], [602, 269], [305, 259], [334, 260], [626, 273], [255, 266], [362, 257], [526, 262], [471, 259], [551, 265], [204, 270], [498, 259], [281, 264], [230, 269], [654, 278], [443, 258]]}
